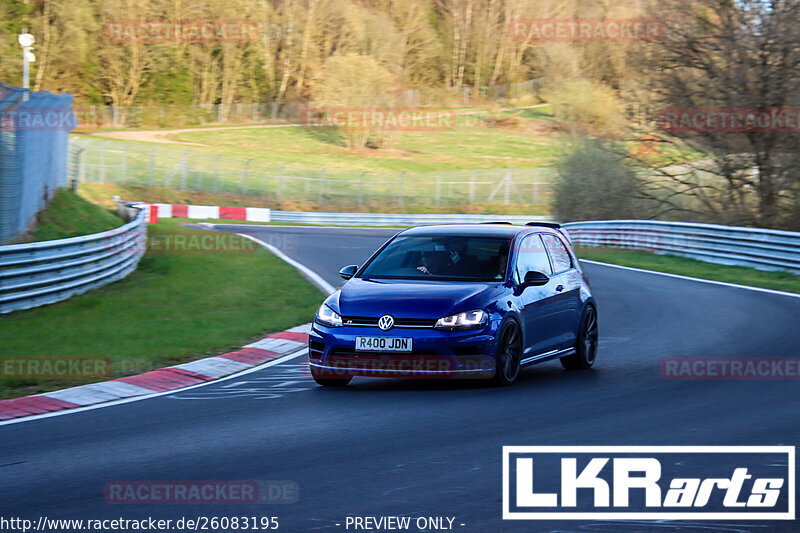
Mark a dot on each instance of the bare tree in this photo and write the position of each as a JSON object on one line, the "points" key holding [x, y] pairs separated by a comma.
{"points": [[728, 55], [123, 62]]}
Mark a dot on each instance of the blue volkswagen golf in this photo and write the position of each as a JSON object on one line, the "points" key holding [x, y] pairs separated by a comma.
{"points": [[472, 300]]}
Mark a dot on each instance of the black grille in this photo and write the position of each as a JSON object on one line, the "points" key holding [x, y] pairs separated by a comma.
{"points": [[315, 349], [364, 355], [398, 322], [474, 349]]}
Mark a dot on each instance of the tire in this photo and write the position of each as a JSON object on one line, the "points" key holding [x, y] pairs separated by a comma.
{"points": [[586, 344], [328, 381], [509, 352]]}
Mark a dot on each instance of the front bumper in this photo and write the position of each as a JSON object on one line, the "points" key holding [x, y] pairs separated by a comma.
{"points": [[436, 354]]}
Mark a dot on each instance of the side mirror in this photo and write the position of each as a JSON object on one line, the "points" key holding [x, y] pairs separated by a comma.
{"points": [[535, 279], [348, 271]]}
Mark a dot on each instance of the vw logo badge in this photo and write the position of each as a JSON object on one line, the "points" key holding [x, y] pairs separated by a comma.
{"points": [[386, 322]]}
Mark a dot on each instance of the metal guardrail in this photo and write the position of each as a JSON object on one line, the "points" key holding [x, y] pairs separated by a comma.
{"points": [[394, 219], [41, 273], [763, 249]]}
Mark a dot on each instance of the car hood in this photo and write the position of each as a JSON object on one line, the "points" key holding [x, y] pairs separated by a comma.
{"points": [[413, 299]]}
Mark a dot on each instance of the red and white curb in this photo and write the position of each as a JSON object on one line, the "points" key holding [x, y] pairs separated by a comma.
{"points": [[251, 214], [171, 378]]}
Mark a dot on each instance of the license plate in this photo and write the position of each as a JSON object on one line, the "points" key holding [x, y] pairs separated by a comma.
{"points": [[383, 344]]}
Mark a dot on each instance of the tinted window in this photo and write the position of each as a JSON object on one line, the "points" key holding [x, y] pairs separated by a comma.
{"points": [[558, 253], [532, 257], [442, 257]]}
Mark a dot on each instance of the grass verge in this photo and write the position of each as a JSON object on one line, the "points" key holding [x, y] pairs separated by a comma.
{"points": [[782, 281], [178, 305], [70, 215]]}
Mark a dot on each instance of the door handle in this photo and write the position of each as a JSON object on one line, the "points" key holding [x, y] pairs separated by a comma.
{"points": [[559, 288]]}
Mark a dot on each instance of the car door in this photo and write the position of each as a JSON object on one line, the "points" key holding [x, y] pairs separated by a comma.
{"points": [[566, 301], [536, 304]]}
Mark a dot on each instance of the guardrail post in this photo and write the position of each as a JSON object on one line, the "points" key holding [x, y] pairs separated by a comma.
{"points": [[103, 162], [216, 172], [124, 163], [320, 194], [245, 176], [400, 199], [361, 189], [507, 191], [472, 186], [279, 193], [184, 165], [82, 162], [150, 168]]}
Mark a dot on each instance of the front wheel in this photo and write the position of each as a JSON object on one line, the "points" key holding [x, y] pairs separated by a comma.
{"points": [[327, 381], [509, 351], [586, 345]]}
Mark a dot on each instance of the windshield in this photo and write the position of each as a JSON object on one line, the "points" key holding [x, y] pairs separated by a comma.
{"points": [[445, 257]]}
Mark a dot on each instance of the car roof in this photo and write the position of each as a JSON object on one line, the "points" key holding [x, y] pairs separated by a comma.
{"points": [[474, 230]]}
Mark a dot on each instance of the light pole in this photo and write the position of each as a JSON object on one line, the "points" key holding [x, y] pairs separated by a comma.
{"points": [[26, 41]]}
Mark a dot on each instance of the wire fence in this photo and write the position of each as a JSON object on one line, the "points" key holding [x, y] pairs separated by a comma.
{"points": [[33, 154], [92, 117], [297, 188]]}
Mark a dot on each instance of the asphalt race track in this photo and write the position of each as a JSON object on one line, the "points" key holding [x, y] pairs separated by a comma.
{"points": [[382, 447]]}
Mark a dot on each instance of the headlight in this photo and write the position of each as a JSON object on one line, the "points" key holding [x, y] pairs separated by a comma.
{"points": [[328, 317], [469, 320]]}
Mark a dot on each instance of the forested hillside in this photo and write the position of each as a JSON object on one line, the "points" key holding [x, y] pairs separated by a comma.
{"points": [[95, 50]]}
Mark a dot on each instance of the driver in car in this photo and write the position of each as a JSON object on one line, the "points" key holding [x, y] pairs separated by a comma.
{"points": [[454, 259], [432, 263]]}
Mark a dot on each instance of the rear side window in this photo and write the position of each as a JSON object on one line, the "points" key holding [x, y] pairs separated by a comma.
{"points": [[558, 253], [532, 257]]}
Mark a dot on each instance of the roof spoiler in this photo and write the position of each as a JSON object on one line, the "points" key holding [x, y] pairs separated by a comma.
{"points": [[551, 225], [554, 226]]}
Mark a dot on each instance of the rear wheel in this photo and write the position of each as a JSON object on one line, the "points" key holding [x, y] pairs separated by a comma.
{"points": [[326, 380], [586, 345], [509, 351]]}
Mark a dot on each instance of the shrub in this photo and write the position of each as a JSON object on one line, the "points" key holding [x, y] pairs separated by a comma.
{"points": [[593, 184], [355, 82], [587, 107]]}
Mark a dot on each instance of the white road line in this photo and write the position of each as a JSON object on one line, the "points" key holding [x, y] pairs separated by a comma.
{"points": [[701, 280], [274, 362], [326, 287]]}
